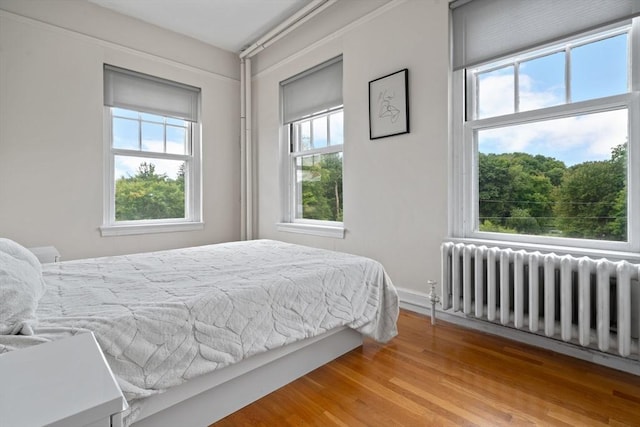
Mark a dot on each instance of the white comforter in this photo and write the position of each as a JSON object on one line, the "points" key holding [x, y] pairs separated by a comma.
{"points": [[162, 318]]}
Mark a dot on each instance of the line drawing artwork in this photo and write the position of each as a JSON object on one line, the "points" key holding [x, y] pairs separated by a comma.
{"points": [[389, 105], [386, 107]]}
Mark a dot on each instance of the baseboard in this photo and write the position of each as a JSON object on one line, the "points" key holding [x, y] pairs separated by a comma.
{"points": [[418, 302]]}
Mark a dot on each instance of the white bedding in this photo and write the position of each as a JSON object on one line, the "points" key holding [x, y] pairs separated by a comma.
{"points": [[162, 318]]}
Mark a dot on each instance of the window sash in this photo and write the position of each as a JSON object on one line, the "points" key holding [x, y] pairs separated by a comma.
{"points": [[295, 191], [472, 110], [166, 125], [191, 191]]}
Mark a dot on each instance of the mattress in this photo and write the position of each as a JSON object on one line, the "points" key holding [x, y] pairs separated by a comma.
{"points": [[162, 318]]}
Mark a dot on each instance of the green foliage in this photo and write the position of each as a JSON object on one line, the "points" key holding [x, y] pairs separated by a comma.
{"points": [[521, 193], [322, 188], [489, 226], [522, 221], [515, 190], [592, 199], [148, 195]]}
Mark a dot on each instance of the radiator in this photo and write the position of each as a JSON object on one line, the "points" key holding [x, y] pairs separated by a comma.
{"points": [[589, 302]]}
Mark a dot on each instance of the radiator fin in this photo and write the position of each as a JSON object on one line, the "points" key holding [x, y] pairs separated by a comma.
{"points": [[585, 301]]}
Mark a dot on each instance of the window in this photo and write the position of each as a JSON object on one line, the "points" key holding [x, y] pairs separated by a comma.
{"points": [[312, 176], [153, 173], [316, 161], [546, 142]]}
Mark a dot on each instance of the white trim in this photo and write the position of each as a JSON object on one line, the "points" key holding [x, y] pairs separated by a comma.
{"points": [[555, 112], [336, 232], [108, 186], [330, 149], [131, 229], [192, 191]]}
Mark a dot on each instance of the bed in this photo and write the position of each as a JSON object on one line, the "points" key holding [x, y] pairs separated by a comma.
{"points": [[194, 334]]}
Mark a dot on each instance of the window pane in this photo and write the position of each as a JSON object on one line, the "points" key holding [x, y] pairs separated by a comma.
{"points": [[319, 139], [562, 177], [176, 140], [541, 82], [319, 187], [599, 69], [496, 92], [336, 128], [125, 134], [305, 136], [152, 137], [149, 188]]}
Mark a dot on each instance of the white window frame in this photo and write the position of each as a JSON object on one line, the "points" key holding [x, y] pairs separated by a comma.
{"points": [[291, 152], [193, 179], [463, 177]]}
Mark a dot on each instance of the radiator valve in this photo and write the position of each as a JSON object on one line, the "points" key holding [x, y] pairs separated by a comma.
{"points": [[434, 299]]}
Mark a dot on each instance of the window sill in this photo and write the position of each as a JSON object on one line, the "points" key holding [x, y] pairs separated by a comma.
{"points": [[130, 229], [337, 232]]}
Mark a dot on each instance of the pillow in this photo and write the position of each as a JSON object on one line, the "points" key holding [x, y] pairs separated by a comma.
{"points": [[21, 287]]}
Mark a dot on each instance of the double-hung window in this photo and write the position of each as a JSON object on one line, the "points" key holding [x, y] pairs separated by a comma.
{"points": [[152, 162], [313, 151], [546, 141]]}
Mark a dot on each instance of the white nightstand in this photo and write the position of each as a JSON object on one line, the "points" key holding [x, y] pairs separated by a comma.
{"points": [[61, 383]]}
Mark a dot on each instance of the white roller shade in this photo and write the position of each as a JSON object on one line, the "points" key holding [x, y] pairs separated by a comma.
{"points": [[317, 89], [484, 30], [141, 92]]}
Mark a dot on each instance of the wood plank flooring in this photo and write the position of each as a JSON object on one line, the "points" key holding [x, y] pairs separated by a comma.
{"points": [[449, 376]]}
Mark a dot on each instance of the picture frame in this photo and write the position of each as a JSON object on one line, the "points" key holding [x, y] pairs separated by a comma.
{"points": [[389, 105]]}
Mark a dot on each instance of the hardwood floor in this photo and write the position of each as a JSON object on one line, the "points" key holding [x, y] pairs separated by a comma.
{"points": [[448, 375]]}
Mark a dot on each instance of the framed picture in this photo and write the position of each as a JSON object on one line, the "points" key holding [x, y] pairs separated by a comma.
{"points": [[389, 105]]}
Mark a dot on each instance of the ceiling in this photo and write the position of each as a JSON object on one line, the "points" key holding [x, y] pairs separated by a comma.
{"points": [[228, 24]]}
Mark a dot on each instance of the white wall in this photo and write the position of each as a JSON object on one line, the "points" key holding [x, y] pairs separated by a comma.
{"points": [[395, 189], [51, 124]]}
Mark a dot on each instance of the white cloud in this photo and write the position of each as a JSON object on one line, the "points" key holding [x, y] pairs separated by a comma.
{"points": [[571, 139], [531, 99], [495, 94]]}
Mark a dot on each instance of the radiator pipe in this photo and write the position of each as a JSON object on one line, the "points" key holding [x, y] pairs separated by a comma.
{"points": [[434, 299]]}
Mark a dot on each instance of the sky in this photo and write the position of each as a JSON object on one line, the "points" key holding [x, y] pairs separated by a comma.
{"points": [[319, 126], [597, 69], [128, 135]]}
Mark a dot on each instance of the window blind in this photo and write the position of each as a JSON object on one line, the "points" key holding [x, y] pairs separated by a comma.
{"points": [[485, 30], [314, 90], [142, 92]]}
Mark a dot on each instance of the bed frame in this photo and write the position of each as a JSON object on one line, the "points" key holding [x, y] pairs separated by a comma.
{"points": [[211, 397]]}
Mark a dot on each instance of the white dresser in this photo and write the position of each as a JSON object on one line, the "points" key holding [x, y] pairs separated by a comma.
{"points": [[61, 383]]}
